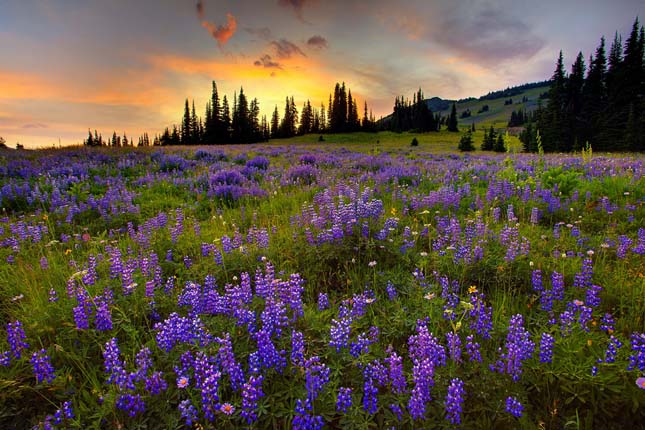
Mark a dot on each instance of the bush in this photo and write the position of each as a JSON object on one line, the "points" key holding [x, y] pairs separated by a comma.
{"points": [[414, 142]]}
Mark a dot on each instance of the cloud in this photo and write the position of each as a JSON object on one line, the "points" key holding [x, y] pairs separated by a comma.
{"points": [[285, 49], [479, 32], [200, 10], [261, 32], [266, 61], [317, 42], [296, 5], [222, 33], [34, 125]]}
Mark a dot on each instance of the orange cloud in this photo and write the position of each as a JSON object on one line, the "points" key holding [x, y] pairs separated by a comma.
{"points": [[222, 33]]}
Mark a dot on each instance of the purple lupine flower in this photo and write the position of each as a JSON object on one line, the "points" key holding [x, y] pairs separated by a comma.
{"points": [[316, 377], [16, 338], [454, 401], [133, 404], [397, 411], [323, 302], [297, 348], [454, 346], [303, 420], [188, 412], [53, 296], [143, 360], [607, 323], [423, 377], [361, 346], [582, 279], [546, 348], [637, 358], [391, 290], [155, 383], [557, 286], [43, 369], [115, 367], [176, 330], [66, 412], [83, 310], [339, 333], [481, 316], [518, 348], [397, 378], [228, 363], [103, 316], [536, 281], [274, 317], [472, 349], [251, 394], [374, 374], [269, 355], [612, 349], [44, 264], [566, 322], [344, 400], [592, 298], [514, 407]]}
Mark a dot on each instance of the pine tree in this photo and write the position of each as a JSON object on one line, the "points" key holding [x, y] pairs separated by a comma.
{"points": [[452, 119], [275, 123], [226, 122], [553, 121], [499, 144], [466, 142], [194, 127], [185, 125]]}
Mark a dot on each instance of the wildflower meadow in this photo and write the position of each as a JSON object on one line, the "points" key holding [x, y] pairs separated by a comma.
{"points": [[320, 286]]}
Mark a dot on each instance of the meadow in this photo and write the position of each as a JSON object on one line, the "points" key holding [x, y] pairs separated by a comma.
{"points": [[355, 283]]}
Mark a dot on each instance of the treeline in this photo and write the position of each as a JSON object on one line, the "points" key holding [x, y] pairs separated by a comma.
{"points": [[416, 115], [512, 91], [603, 105], [242, 123], [116, 140]]}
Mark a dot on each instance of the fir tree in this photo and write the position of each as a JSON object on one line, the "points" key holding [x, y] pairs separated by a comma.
{"points": [[452, 119]]}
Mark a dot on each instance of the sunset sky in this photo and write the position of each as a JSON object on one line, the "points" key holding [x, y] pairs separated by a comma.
{"points": [[125, 65]]}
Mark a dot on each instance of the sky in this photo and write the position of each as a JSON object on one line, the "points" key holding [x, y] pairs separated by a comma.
{"points": [[127, 66]]}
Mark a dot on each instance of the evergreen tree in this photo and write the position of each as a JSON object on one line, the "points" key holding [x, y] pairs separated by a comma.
{"points": [[553, 120], [499, 144], [185, 125], [466, 142], [195, 137], [275, 123], [225, 122], [452, 119], [489, 140]]}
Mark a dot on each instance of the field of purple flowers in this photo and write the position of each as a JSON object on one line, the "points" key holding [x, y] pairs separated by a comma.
{"points": [[312, 287]]}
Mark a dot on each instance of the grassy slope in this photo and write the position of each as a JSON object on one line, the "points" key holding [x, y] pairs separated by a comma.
{"points": [[499, 114]]}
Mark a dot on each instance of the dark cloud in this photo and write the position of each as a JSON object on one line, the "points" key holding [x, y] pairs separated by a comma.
{"points": [[285, 49], [222, 33], [296, 5], [480, 32], [267, 61], [317, 42], [34, 125], [486, 34], [200, 10], [262, 32]]}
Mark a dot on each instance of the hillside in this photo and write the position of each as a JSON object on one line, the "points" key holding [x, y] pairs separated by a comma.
{"points": [[524, 96], [498, 113]]}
